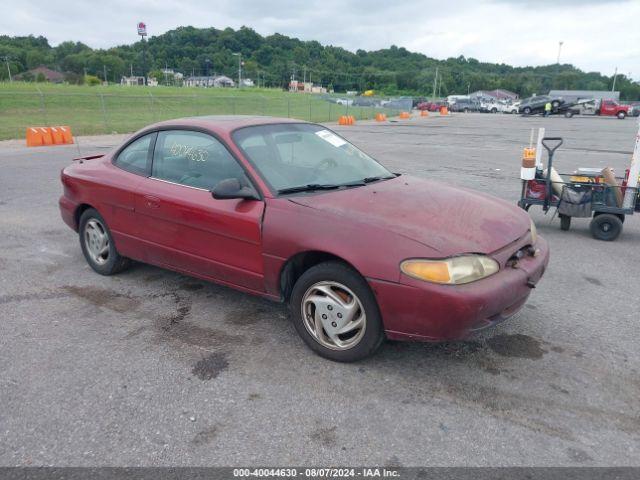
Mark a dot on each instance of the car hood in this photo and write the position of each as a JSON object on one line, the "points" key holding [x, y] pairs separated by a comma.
{"points": [[449, 220]]}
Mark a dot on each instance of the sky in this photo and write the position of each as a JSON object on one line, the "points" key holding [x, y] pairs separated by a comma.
{"points": [[597, 35]]}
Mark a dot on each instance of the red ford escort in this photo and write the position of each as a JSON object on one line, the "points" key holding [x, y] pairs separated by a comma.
{"points": [[295, 213]]}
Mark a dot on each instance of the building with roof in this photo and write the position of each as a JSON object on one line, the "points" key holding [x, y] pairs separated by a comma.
{"points": [[497, 94], [577, 95], [215, 81], [49, 75]]}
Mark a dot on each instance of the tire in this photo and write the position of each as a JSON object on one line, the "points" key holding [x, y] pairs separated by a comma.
{"points": [[494, 110], [565, 222], [606, 227], [346, 287], [95, 237], [526, 110], [621, 115], [568, 114]]}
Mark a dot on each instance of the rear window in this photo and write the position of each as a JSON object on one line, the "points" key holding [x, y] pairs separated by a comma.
{"points": [[135, 157]]}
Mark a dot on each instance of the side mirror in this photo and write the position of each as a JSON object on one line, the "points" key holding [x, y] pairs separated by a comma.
{"points": [[231, 188]]}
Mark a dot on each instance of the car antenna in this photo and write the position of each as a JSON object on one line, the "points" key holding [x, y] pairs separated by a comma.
{"points": [[78, 145]]}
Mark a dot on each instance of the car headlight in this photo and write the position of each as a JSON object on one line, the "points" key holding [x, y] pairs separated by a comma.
{"points": [[534, 233], [451, 271]]}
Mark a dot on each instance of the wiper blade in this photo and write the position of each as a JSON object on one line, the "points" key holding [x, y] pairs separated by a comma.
{"points": [[310, 187], [375, 179]]}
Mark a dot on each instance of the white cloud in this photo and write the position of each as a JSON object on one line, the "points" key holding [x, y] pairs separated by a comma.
{"points": [[597, 35]]}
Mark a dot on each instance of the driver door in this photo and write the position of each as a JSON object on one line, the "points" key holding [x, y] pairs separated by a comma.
{"points": [[184, 227]]}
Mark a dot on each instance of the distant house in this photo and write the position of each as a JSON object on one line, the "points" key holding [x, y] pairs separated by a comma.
{"points": [[215, 81], [576, 95], [497, 94], [49, 75], [247, 82], [305, 87], [132, 81]]}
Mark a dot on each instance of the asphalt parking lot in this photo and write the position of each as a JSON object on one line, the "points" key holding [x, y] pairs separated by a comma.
{"points": [[153, 368]]}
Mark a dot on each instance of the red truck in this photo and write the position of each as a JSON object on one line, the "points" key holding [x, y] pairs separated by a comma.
{"points": [[611, 108]]}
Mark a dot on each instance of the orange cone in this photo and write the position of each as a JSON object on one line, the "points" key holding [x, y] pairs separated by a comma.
{"points": [[424, 113]]}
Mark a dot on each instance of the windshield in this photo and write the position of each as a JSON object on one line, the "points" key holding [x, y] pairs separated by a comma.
{"points": [[306, 157]]}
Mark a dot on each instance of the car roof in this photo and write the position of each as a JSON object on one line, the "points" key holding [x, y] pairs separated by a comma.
{"points": [[222, 123]]}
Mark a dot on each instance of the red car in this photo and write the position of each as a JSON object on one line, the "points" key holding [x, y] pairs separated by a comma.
{"points": [[293, 212], [430, 106]]}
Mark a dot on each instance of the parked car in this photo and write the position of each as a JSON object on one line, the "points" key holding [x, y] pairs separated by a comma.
{"points": [[465, 106], [491, 107], [612, 108], [293, 212], [512, 108], [430, 106], [536, 104]]}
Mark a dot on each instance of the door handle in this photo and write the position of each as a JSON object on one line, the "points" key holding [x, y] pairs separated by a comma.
{"points": [[151, 202]]}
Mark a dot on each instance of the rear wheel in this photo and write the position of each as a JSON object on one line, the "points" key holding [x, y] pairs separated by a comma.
{"points": [[336, 313], [606, 227], [97, 244], [568, 114], [526, 110]]}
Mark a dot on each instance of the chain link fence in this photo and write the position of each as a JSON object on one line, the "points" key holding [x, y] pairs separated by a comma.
{"points": [[104, 113]]}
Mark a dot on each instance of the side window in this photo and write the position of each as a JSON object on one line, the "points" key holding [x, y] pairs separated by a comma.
{"points": [[194, 159], [135, 157]]}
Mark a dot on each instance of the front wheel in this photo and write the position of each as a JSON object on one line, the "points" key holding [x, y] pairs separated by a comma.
{"points": [[97, 244], [336, 313], [526, 111], [621, 115]]}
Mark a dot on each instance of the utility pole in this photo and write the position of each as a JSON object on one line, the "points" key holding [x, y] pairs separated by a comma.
{"points": [[239, 55], [435, 84], [104, 73], [615, 76], [559, 49], [6, 59]]}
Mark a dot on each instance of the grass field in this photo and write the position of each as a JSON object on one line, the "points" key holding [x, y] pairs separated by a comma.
{"points": [[117, 109]]}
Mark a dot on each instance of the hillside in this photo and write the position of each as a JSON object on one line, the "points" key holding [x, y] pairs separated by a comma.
{"points": [[274, 58]]}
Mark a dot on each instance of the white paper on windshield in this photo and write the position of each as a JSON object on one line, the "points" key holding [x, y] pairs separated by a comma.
{"points": [[332, 138]]}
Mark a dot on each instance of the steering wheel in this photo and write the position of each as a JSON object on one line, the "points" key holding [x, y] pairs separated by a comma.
{"points": [[324, 165]]}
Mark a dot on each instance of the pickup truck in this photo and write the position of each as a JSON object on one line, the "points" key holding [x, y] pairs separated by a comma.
{"points": [[612, 108]]}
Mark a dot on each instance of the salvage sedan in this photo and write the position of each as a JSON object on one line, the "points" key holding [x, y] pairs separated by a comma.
{"points": [[293, 212]]}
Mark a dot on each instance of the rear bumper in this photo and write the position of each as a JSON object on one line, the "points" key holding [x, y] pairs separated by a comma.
{"points": [[67, 211], [430, 312]]}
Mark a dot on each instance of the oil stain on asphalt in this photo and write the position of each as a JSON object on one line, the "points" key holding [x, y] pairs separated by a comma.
{"points": [[516, 346], [210, 367]]}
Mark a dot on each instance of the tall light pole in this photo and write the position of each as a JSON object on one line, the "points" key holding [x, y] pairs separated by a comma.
{"points": [[559, 49], [615, 75], [6, 59], [239, 55]]}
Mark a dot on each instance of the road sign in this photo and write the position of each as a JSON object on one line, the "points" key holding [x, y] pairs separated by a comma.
{"points": [[142, 29]]}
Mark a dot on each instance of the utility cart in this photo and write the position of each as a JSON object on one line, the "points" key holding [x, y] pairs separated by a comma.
{"points": [[591, 193]]}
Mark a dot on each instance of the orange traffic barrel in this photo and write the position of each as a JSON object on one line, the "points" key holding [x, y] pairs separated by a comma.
{"points": [[424, 113], [444, 110], [56, 136], [67, 137], [34, 137], [47, 139], [405, 115]]}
